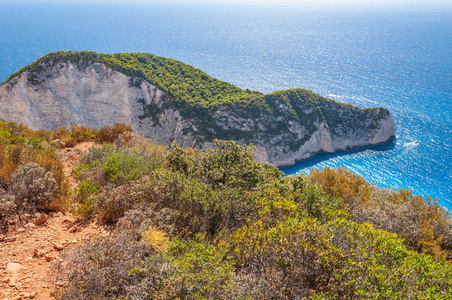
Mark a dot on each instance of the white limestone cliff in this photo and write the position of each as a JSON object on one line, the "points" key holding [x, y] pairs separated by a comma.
{"points": [[93, 96]]}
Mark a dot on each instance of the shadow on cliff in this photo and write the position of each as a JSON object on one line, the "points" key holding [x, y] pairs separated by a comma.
{"points": [[321, 157]]}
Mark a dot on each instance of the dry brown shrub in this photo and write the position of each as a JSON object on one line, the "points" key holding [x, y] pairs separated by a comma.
{"points": [[341, 183], [6, 167], [422, 223], [45, 135], [104, 268], [113, 201], [7, 208], [109, 134], [47, 160], [32, 187], [144, 216], [62, 134]]}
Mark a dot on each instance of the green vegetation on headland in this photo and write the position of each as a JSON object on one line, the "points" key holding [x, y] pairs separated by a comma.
{"points": [[197, 96], [187, 86], [219, 225]]}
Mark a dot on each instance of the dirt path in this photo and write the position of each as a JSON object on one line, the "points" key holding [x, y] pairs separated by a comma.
{"points": [[28, 251], [69, 160]]}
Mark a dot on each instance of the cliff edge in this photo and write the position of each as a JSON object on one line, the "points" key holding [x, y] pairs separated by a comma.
{"points": [[166, 101]]}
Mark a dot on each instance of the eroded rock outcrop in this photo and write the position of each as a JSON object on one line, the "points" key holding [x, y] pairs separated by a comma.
{"points": [[294, 126], [90, 95]]}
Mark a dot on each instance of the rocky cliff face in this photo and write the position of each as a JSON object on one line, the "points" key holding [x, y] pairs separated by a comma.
{"points": [[324, 126], [90, 94]]}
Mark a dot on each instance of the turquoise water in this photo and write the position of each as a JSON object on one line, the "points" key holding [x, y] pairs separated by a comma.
{"points": [[399, 60]]}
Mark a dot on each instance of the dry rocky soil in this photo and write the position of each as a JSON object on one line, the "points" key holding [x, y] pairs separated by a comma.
{"points": [[33, 245]]}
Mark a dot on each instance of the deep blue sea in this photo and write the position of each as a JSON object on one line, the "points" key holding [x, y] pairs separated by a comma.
{"points": [[398, 59]]}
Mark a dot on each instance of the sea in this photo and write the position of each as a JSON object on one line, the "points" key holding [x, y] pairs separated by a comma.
{"points": [[399, 58]]}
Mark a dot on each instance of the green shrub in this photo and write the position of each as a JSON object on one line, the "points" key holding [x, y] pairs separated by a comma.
{"points": [[111, 181], [122, 167], [85, 197], [117, 166], [110, 201], [209, 210], [299, 258], [228, 164], [204, 270], [94, 157]]}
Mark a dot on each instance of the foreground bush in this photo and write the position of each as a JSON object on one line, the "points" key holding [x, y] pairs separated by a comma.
{"points": [[7, 208], [31, 178], [78, 134], [20, 145], [111, 180], [281, 252], [208, 191], [423, 223], [122, 267], [219, 225], [103, 268], [300, 258], [31, 185]]}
